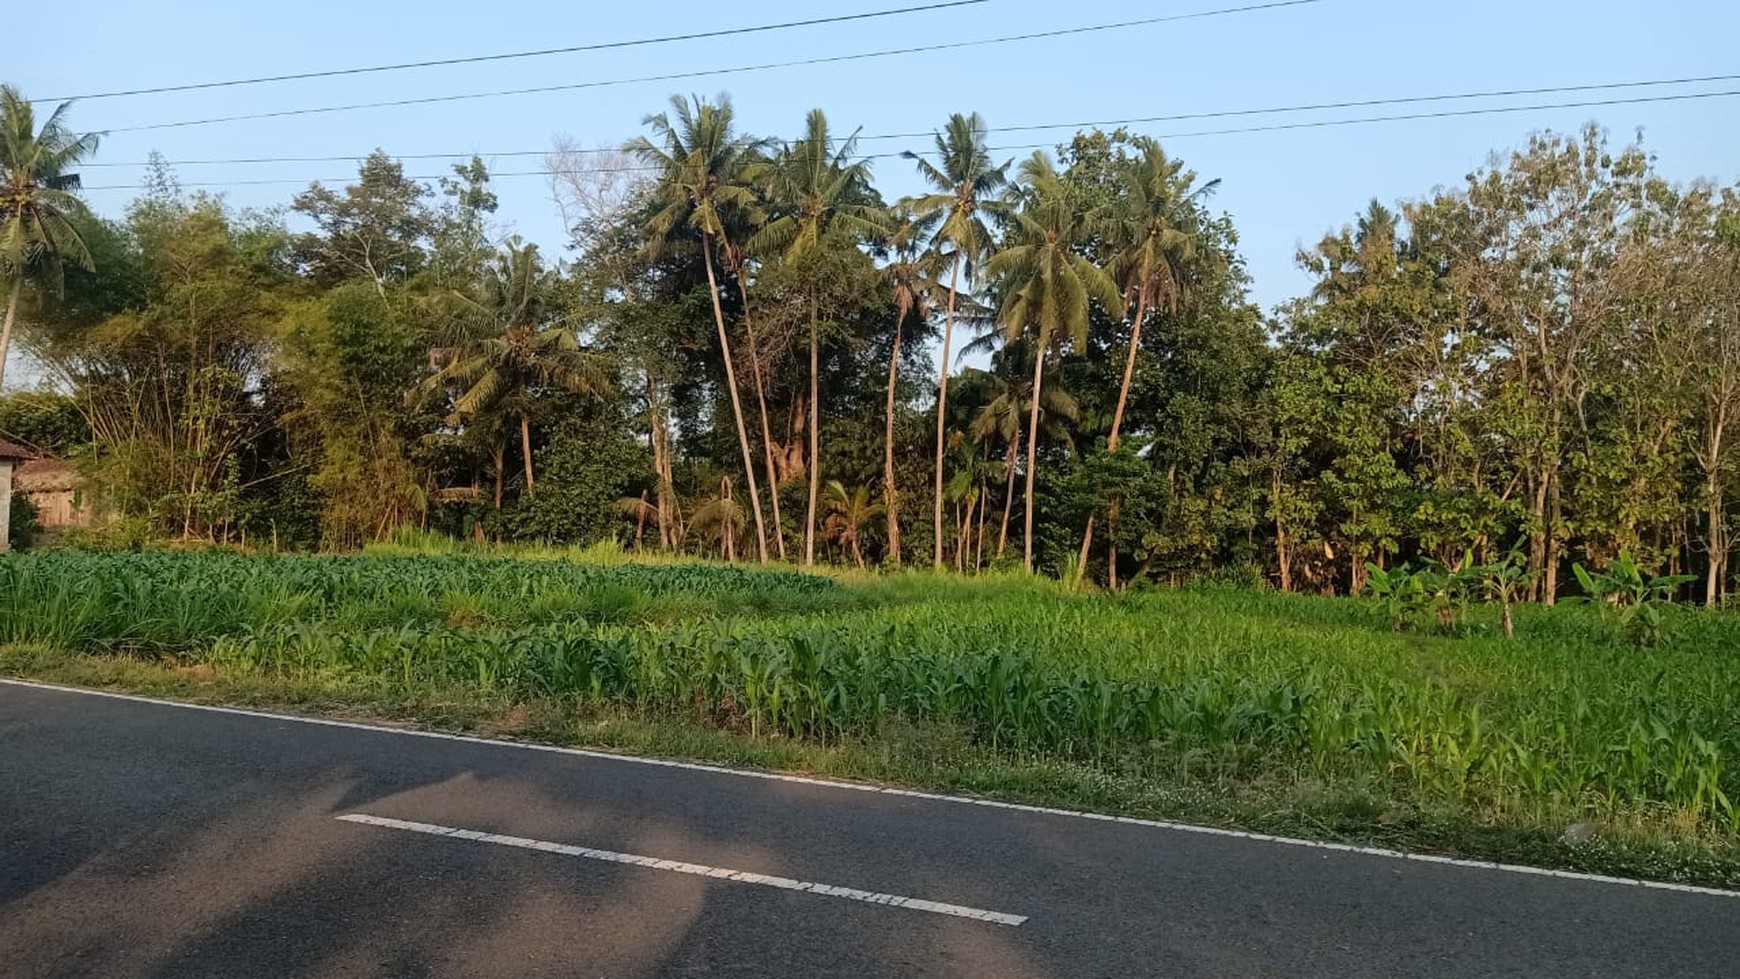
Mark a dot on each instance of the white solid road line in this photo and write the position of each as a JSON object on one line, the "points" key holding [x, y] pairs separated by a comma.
{"points": [[1370, 851], [693, 869]]}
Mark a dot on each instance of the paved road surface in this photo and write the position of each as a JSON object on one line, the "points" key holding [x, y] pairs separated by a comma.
{"points": [[147, 840]]}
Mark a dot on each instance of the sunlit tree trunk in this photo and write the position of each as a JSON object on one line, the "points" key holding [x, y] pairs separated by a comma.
{"points": [[890, 492], [1033, 445], [736, 401], [526, 447], [1087, 538], [942, 402], [11, 316], [766, 432], [1008, 493], [815, 437]]}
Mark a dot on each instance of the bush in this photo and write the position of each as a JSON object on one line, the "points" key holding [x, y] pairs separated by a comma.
{"points": [[22, 529]]}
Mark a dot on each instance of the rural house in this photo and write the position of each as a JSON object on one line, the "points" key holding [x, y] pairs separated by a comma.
{"points": [[56, 489]]}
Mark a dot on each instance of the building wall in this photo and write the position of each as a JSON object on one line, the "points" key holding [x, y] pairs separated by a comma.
{"points": [[58, 509], [5, 504]]}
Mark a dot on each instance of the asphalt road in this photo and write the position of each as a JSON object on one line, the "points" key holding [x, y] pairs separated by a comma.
{"points": [[146, 840]]}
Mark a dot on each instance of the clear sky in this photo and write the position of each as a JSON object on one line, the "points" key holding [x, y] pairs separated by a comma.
{"points": [[1282, 188]]}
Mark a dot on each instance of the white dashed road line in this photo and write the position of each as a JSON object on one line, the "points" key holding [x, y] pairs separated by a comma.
{"points": [[693, 869]]}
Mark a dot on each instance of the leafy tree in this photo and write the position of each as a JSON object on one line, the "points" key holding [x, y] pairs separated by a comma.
{"points": [[376, 228]]}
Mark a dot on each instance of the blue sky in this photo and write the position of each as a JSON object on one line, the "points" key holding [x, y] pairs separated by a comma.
{"points": [[1282, 188]]}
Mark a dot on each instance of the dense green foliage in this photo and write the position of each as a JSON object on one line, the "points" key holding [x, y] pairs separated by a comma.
{"points": [[1541, 361], [1568, 722]]}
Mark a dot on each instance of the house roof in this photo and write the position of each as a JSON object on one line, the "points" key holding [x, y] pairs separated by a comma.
{"points": [[46, 475], [9, 450]]}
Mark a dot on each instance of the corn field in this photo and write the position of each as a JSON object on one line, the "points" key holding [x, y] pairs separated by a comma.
{"points": [[1232, 684]]}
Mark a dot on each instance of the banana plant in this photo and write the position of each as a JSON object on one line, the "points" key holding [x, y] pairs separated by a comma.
{"points": [[1641, 599]]}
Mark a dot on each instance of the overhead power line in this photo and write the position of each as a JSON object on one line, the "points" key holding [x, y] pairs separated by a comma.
{"points": [[712, 72], [512, 55], [1312, 124], [1038, 127]]}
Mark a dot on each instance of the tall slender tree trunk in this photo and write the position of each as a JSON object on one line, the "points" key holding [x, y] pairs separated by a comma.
{"points": [[11, 316], [890, 493], [1087, 538], [526, 448], [1550, 568], [1008, 493], [1538, 541], [1718, 526], [964, 542], [736, 401], [1033, 446], [766, 432], [942, 404], [815, 436], [1283, 551], [661, 448], [500, 451], [1718, 544], [640, 524], [979, 541]]}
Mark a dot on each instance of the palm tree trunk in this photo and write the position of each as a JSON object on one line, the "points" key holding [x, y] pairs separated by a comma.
{"points": [[979, 541], [736, 402], [655, 409], [942, 404], [1033, 446], [11, 315], [526, 448], [964, 544], [815, 437], [890, 494], [1129, 371], [766, 433], [500, 469], [1087, 538], [1008, 493]]}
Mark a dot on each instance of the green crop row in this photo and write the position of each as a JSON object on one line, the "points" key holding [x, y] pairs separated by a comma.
{"points": [[1568, 720]]}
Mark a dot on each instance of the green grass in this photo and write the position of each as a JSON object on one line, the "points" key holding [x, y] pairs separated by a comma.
{"points": [[1279, 713]]}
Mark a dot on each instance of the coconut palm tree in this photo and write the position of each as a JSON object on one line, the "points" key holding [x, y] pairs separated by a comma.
{"points": [[823, 201], [1152, 227], [999, 419], [701, 160], [849, 512], [508, 344], [36, 198], [1047, 288], [911, 277], [721, 519], [966, 189]]}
